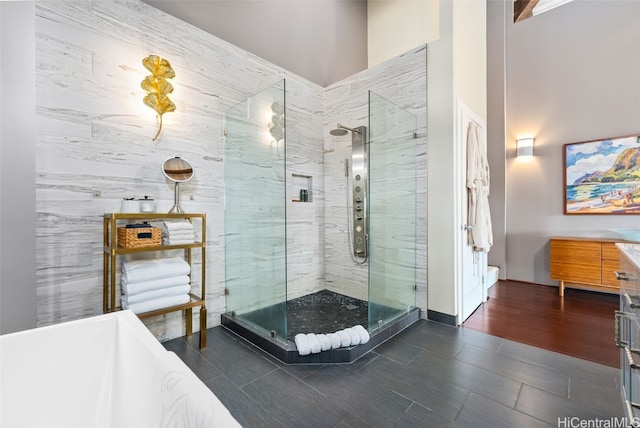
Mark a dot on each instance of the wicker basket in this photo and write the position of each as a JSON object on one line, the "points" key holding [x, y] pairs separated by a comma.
{"points": [[139, 237]]}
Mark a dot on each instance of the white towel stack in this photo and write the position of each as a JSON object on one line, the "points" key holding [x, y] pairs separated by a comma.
{"points": [[311, 343], [178, 233], [148, 285]]}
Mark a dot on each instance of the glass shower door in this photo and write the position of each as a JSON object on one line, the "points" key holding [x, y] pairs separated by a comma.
{"points": [[255, 212], [392, 211]]}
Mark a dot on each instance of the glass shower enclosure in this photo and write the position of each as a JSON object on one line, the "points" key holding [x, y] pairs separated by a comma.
{"points": [[255, 212], [256, 215], [392, 211]]}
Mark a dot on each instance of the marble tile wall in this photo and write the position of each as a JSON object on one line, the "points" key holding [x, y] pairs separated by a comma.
{"points": [[401, 80], [94, 135]]}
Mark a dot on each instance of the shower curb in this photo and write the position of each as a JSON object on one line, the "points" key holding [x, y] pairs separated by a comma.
{"points": [[288, 353]]}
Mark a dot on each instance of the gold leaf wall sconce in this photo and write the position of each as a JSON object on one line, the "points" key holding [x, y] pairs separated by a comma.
{"points": [[158, 87]]}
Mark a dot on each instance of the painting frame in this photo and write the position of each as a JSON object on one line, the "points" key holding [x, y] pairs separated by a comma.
{"points": [[602, 177]]}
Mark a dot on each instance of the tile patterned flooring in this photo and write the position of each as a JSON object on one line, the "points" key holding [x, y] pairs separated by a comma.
{"points": [[430, 375]]}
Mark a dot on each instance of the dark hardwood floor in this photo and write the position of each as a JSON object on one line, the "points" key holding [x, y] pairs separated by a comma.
{"points": [[580, 325]]}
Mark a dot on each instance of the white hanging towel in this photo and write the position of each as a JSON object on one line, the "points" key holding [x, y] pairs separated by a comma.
{"points": [[478, 190]]}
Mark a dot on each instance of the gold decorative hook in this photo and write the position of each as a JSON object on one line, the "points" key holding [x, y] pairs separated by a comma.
{"points": [[158, 86]]}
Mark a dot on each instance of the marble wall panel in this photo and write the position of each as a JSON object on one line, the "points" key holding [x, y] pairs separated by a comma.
{"points": [[401, 80], [94, 134]]}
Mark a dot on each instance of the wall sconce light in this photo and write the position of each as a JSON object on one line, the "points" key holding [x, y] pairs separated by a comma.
{"points": [[158, 87], [276, 127], [524, 147]]}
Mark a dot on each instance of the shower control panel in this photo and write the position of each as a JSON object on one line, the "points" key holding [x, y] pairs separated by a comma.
{"points": [[359, 166]]}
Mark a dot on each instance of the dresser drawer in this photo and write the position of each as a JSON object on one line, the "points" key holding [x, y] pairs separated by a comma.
{"points": [[610, 252], [576, 261]]}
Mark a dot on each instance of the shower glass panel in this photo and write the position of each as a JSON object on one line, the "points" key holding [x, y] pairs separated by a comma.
{"points": [[392, 211], [255, 212]]}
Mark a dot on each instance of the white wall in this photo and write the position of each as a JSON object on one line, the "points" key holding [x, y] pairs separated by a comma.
{"points": [[496, 122], [440, 203], [457, 71], [470, 54], [573, 74], [396, 26], [17, 167]]}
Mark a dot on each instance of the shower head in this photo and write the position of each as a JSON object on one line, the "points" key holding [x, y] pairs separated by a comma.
{"points": [[342, 130], [338, 132]]}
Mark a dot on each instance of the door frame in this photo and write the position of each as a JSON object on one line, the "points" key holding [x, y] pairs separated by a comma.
{"points": [[463, 115]]}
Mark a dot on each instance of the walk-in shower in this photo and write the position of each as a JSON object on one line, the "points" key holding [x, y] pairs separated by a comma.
{"points": [[367, 255]]}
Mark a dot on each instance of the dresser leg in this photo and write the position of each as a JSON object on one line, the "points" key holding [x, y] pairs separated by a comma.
{"points": [[561, 289]]}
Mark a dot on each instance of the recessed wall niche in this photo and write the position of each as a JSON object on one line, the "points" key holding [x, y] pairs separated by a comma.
{"points": [[299, 185]]}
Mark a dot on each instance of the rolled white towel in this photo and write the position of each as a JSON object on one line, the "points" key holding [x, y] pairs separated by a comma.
{"points": [[325, 342], [302, 344], [363, 333], [314, 343], [355, 337], [335, 340], [345, 339]]}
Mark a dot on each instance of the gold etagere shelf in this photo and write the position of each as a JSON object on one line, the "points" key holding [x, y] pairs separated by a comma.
{"points": [[112, 251]]}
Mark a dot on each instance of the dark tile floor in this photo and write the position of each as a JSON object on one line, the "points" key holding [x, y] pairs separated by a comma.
{"points": [[430, 375]]}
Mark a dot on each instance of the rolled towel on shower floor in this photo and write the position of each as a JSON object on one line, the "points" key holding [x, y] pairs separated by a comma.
{"points": [[302, 344], [325, 342], [362, 332], [345, 339], [353, 335], [335, 340], [314, 343]]}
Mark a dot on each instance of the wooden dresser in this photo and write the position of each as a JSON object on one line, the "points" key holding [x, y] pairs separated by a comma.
{"points": [[584, 262]]}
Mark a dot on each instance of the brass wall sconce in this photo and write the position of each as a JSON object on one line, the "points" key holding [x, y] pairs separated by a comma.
{"points": [[158, 86]]}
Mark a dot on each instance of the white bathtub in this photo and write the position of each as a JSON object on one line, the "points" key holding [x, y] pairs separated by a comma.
{"points": [[104, 371]]}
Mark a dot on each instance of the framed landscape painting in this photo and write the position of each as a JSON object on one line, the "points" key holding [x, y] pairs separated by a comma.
{"points": [[602, 176]]}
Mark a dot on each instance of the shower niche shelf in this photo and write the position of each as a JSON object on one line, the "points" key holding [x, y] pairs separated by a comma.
{"points": [[300, 182]]}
